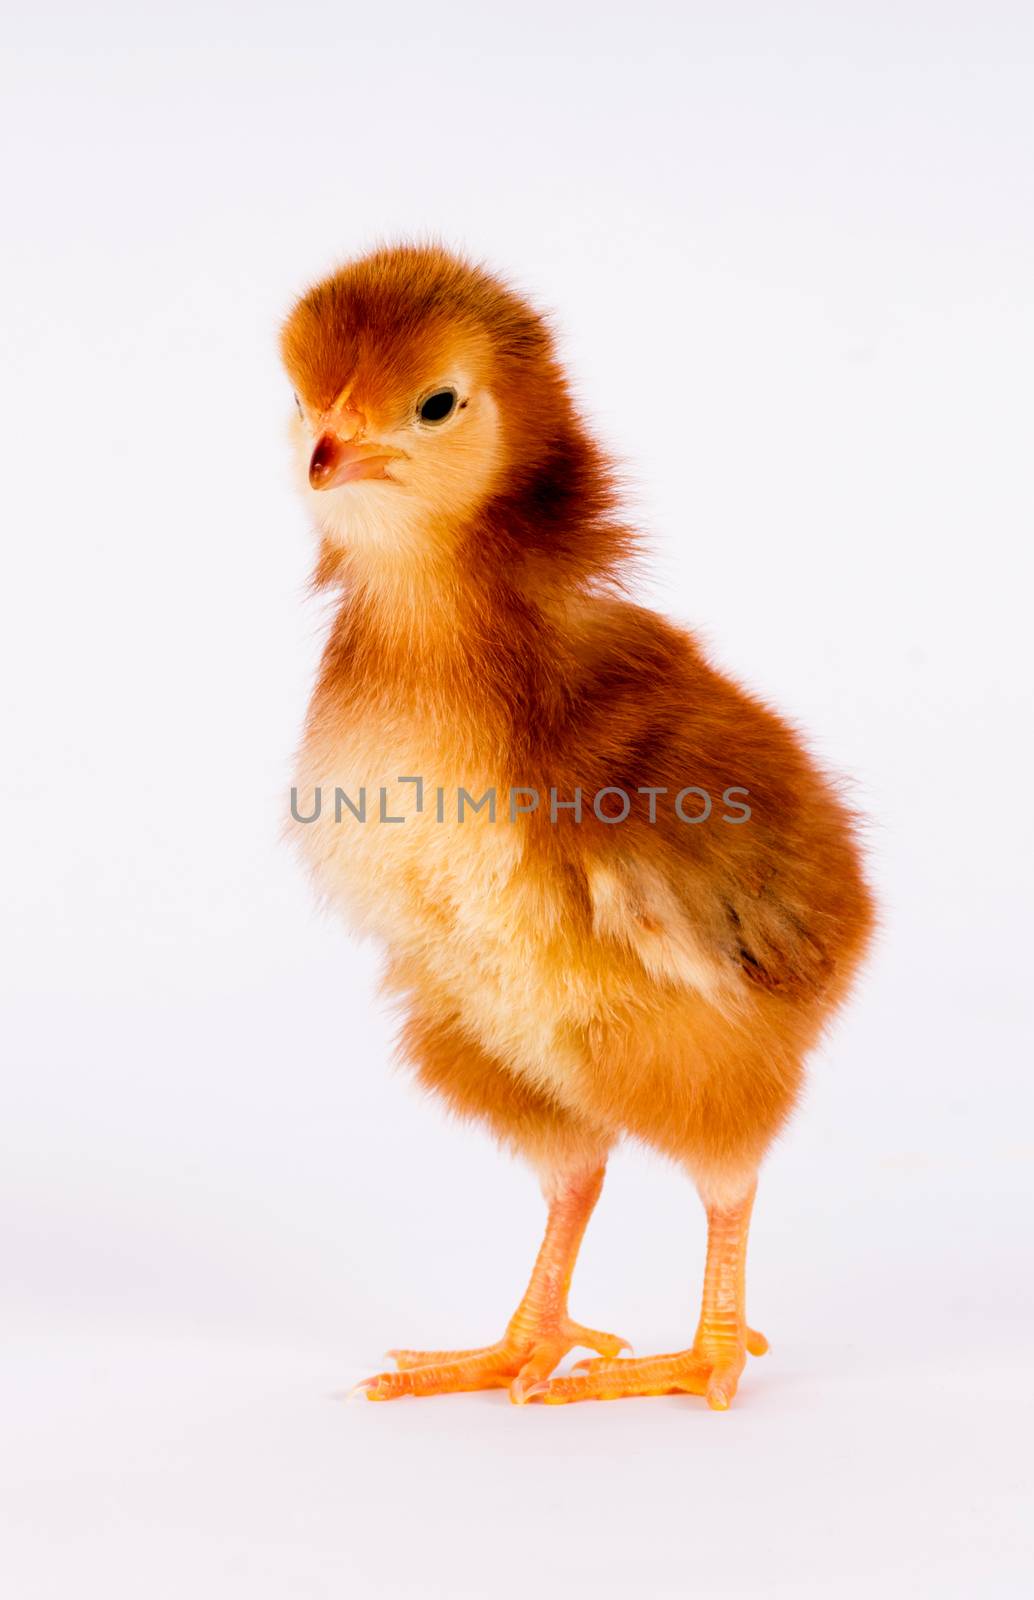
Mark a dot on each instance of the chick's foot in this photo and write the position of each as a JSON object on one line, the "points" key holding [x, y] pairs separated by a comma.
{"points": [[711, 1372], [524, 1356]]}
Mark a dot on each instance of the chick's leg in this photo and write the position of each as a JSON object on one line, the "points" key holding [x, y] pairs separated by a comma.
{"points": [[712, 1366], [540, 1332]]}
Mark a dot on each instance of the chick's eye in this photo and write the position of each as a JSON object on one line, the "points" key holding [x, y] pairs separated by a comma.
{"points": [[438, 406]]}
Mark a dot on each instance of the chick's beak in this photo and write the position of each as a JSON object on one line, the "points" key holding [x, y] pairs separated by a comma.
{"points": [[336, 461]]}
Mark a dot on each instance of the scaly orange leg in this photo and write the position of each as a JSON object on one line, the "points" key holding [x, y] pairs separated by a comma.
{"points": [[713, 1365], [540, 1332]]}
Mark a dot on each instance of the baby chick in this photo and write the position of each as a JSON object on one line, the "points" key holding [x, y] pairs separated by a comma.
{"points": [[616, 895]]}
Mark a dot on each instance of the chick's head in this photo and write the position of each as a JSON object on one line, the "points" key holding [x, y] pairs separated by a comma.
{"points": [[423, 386]]}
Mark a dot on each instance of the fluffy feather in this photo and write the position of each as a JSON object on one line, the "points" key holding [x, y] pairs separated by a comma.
{"points": [[563, 982]]}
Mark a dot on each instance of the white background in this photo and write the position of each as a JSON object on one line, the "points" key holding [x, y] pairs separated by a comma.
{"points": [[790, 249]]}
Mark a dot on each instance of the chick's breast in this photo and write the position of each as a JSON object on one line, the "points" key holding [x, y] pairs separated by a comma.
{"points": [[472, 920]]}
